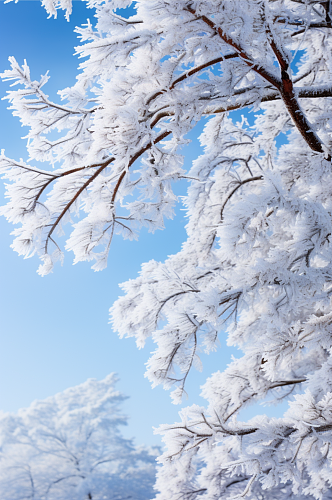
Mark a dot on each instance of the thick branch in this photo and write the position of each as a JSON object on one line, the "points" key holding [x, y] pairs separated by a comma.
{"points": [[227, 39], [289, 97], [302, 124], [284, 86]]}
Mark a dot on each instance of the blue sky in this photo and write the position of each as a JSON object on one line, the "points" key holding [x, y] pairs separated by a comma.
{"points": [[54, 331]]}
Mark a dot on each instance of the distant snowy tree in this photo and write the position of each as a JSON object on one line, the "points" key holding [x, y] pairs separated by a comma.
{"points": [[69, 447], [257, 261]]}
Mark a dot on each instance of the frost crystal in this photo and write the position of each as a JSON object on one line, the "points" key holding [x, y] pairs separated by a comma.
{"points": [[257, 260]]}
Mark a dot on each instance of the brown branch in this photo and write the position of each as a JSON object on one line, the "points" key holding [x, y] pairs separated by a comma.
{"points": [[69, 204], [287, 431], [257, 178], [134, 158], [289, 97], [159, 116], [312, 92], [188, 494], [189, 73], [237, 481], [297, 115], [178, 452], [202, 66], [302, 23], [219, 427], [306, 93], [171, 297], [323, 428], [227, 39], [310, 26], [284, 86], [196, 444], [240, 432], [282, 383], [40, 192], [170, 357], [240, 406], [95, 175], [35, 171], [287, 382], [53, 178], [180, 427], [183, 380]]}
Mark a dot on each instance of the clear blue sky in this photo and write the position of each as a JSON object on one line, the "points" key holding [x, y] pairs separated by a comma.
{"points": [[54, 331]]}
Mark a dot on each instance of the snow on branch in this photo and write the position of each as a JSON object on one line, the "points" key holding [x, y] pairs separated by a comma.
{"points": [[255, 270]]}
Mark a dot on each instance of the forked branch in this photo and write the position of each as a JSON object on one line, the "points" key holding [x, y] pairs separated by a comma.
{"points": [[283, 85], [288, 95]]}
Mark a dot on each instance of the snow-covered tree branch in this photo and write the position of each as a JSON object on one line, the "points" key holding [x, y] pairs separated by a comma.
{"points": [[69, 447], [257, 260]]}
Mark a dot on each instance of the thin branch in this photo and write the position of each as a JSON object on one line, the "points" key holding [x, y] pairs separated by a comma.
{"points": [[312, 26], [72, 201], [171, 297], [236, 481], [34, 170], [191, 72], [282, 383], [134, 158], [203, 66], [248, 487], [62, 479], [189, 494], [251, 179], [192, 356], [195, 445], [36, 90], [127, 21], [326, 92]]}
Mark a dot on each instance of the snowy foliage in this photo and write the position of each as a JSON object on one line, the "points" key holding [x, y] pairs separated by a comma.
{"points": [[69, 447], [257, 261]]}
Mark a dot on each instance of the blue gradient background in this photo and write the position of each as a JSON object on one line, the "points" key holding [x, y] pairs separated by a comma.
{"points": [[54, 331]]}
